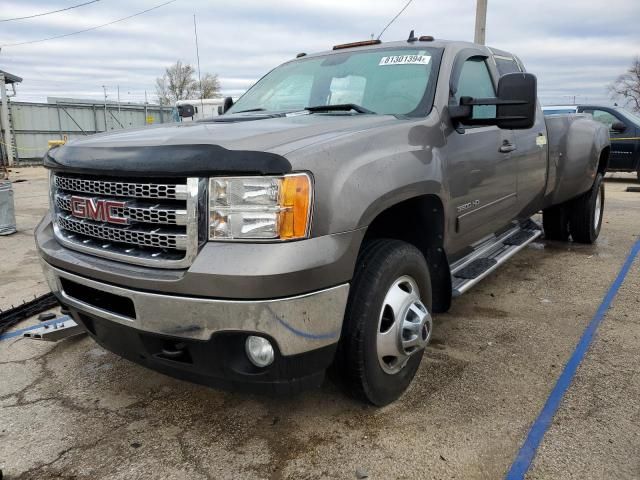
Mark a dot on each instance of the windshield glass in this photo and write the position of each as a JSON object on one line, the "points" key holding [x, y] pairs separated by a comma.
{"points": [[385, 81], [630, 116]]}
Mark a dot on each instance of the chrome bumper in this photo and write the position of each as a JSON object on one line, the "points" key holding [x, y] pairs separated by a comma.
{"points": [[298, 324]]}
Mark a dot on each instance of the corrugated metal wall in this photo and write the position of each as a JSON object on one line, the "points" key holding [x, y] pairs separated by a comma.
{"points": [[34, 124]]}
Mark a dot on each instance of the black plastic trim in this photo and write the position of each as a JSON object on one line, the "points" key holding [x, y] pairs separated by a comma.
{"points": [[164, 161], [220, 362]]}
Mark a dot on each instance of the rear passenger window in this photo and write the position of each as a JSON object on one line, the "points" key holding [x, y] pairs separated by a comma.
{"points": [[475, 81], [506, 65]]}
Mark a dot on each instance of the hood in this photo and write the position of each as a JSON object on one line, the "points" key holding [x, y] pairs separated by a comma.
{"points": [[255, 144]]}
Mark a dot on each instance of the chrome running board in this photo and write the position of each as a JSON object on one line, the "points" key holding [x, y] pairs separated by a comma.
{"points": [[489, 254]]}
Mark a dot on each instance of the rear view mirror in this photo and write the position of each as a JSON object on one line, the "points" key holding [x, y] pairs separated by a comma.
{"points": [[515, 104], [618, 127], [517, 93], [186, 111]]}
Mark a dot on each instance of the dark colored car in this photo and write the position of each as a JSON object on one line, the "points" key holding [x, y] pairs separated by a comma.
{"points": [[624, 130]]}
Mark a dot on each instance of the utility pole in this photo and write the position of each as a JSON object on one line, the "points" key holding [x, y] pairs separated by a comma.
{"points": [[105, 107], [481, 22]]}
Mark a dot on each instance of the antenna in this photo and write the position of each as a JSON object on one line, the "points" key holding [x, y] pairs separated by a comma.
{"points": [[394, 18], [195, 32]]}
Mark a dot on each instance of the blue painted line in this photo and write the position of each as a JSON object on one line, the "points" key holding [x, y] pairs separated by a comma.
{"points": [[18, 333], [528, 450]]}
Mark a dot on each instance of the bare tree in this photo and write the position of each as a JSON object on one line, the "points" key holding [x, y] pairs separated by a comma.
{"points": [[179, 83], [627, 86], [210, 86]]}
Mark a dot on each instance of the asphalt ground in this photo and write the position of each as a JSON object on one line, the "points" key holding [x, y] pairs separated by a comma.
{"points": [[72, 410]]}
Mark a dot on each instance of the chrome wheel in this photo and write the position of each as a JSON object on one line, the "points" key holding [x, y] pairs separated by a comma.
{"points": [[597, 210], [404, 326]]}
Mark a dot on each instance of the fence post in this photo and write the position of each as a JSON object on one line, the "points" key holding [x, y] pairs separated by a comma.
{"points": [[59, 121], [4, 107]]}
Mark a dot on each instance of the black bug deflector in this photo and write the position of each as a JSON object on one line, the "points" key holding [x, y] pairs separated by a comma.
{"points": [[164, 161]]}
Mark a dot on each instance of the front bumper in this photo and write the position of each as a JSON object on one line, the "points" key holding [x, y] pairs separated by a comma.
{"points": [[297, 324], [202, 340]]}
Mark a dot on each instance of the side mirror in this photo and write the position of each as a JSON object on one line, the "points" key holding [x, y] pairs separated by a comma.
{"points": [[186, 110], [618, 127], [228, 103], [515, 104]]}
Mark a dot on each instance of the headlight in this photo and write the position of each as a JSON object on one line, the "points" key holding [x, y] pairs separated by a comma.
{"points": [[260, 208]]}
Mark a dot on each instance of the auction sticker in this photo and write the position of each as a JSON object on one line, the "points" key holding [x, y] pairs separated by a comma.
{"points": [[405, 60]]}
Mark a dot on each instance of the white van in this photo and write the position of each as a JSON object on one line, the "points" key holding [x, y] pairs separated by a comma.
{"points": [[195, 109]]}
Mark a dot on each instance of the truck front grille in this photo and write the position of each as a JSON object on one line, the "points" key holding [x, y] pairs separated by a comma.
{"points": [[145, 223]]}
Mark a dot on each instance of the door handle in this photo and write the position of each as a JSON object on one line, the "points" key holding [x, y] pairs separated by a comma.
{"points": [[507, 147]]}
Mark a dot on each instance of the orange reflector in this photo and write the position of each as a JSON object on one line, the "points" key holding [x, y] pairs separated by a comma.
{"points": [[357, 44], [295, 201]]}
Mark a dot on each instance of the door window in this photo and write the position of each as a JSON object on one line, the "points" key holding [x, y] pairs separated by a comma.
{"points": [[603, 117], [475, 81], [506, 65]]}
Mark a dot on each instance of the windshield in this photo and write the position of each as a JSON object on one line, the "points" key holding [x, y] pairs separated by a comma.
{"points": [[629, 116], [385, 81]]}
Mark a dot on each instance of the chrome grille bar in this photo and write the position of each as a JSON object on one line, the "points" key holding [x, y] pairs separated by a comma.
{"points": [[159, 238], [121, 189], [136, 212]]}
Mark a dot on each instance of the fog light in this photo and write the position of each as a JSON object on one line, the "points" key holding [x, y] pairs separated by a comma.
{"points": [[259, 350]]}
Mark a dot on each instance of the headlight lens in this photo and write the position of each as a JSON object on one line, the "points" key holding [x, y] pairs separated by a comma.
{"points": [[260, 208]]}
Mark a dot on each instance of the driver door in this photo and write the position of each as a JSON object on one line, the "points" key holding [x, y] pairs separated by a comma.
{"points": [[481, 169]]}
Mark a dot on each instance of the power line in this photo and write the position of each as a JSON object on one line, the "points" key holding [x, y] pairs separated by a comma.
{"points": [[88, 29], [394, 18], [49, 13]]}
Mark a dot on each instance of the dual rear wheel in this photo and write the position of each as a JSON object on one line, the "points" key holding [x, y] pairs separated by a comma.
{"points": [[580, 218]]}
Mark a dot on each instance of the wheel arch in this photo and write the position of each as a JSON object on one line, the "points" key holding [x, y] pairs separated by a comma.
{"points": [[420, 221], [603, 160]]}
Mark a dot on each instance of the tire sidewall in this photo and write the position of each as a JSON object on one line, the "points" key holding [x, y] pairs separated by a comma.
{"points": [[597, 187], [382, 388]]}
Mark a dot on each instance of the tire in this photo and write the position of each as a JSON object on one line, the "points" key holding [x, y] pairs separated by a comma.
{"points": [[383, 265], [555, 221], [638, 173], [586, 213]]}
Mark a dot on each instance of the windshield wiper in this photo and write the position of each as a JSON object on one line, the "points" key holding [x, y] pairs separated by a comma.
{"points": [[252, 110], [342, 107]]}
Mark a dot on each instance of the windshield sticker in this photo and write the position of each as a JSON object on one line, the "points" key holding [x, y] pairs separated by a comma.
{"points": [[405, 60]]}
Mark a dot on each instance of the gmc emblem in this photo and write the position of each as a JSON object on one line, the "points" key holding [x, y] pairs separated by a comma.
{"points": [[97, 209]]}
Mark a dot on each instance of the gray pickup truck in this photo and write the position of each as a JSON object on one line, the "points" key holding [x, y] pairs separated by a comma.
{"points": [[321, 220]]}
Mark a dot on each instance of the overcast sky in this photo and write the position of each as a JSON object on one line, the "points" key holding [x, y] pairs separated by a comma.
{"points": [[575, 47]]}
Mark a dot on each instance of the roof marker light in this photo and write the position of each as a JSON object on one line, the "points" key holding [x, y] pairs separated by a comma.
{"points": [[357, 44]]}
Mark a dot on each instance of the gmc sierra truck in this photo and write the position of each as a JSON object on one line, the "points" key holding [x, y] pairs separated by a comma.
{"points": [[319, 222]]}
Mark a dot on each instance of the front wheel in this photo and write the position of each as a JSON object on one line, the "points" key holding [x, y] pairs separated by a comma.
{"points": [[586, 213], [387, 323]]}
